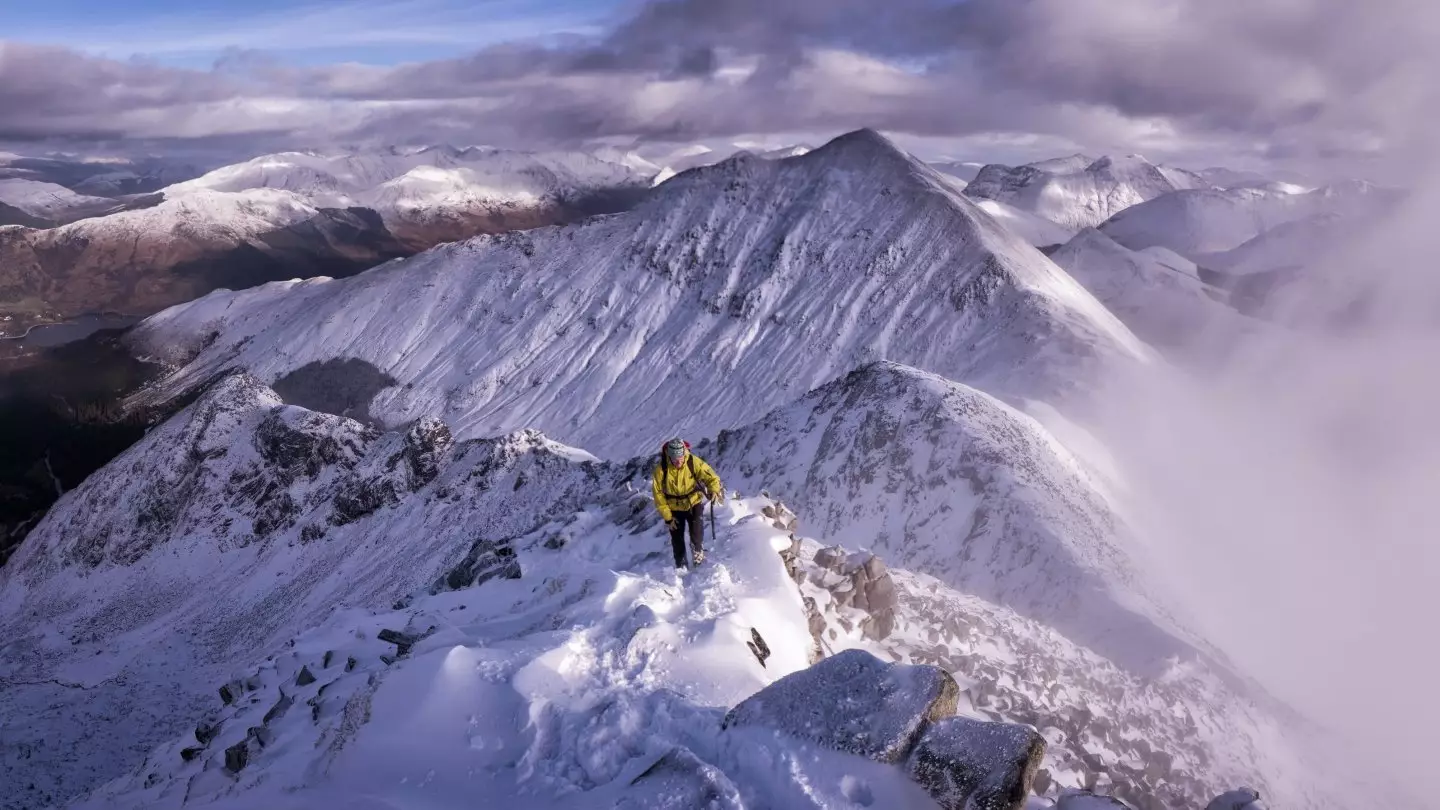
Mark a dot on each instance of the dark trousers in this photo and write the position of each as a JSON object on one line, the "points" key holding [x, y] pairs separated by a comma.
{"points": [[693, 518]]}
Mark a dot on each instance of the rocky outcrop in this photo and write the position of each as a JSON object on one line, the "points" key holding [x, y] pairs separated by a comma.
{"points": [[904, 715], [853, 702], [859, 581], [976, 765], [1244, 798]]}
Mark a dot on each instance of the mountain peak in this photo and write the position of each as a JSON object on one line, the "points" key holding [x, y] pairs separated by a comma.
{"points": [[865, 143]]}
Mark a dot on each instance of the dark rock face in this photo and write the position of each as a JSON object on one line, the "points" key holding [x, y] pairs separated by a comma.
{"points": [[975, 765], [1244, 798], [61, 419], [485, 561], [342, 387], [403, 641], [237, 756], [853, 702]]}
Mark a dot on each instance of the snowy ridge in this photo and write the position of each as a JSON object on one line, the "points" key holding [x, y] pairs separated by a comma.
{"points": [[1076, 197], [1201, 221], [742, 280], [554, 689], [408, 619], [1155, 292], [431, 183], [228, 529], [1197, 223], [207, 217], [938, 477], [50, 201], [243, 526]]}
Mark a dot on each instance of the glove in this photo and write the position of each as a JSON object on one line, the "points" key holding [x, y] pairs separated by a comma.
{"points": [[672, 524], [718, 497]]}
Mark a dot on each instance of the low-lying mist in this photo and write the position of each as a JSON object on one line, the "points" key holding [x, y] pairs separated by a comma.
{"points": [[1295, 489]]}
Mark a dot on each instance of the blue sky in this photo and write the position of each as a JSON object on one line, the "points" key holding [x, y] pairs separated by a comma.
{"points": [[194, 33]]}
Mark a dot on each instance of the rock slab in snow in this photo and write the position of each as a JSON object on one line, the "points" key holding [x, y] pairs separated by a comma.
{"points": [[1085, 800], [1243, 798], [976, 765], [853, 702]]}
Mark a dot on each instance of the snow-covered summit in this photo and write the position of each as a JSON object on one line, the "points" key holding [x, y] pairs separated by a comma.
{"points": [[750, 281], [1078, 197]]}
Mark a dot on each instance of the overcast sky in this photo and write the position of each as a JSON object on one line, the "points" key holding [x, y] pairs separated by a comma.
{"points": [[1302, 82]]}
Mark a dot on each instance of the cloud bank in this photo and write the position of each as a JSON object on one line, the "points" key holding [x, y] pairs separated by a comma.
{"points": [[1314, 81]]}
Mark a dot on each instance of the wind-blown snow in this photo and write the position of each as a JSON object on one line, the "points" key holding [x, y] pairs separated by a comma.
{"points": [[733, 289], [48, 200]]}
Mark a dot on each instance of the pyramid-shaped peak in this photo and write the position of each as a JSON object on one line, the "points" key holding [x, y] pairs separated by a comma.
{"points": [[864, 143]]}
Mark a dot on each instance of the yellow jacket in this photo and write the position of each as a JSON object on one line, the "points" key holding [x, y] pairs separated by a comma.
{"points": [[676, 488]]}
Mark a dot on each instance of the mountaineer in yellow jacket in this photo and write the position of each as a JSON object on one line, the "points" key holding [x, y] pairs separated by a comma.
{"points": [[682, 480]]}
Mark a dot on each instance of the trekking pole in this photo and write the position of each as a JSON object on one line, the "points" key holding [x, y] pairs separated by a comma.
{"points": [[713, 538]]}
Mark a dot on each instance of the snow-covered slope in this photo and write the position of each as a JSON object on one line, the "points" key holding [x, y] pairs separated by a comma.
{"points": [[226, 531], [261, 605], [1195, 222], [139, 261], [1077, 197], [50, 201], [1156, 292], [436, 184], [733, 289], [1034, 229], [1199, 222], [938, 477]]}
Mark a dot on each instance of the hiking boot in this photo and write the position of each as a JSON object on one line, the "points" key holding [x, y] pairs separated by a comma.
{"points": [[699, 555]]}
